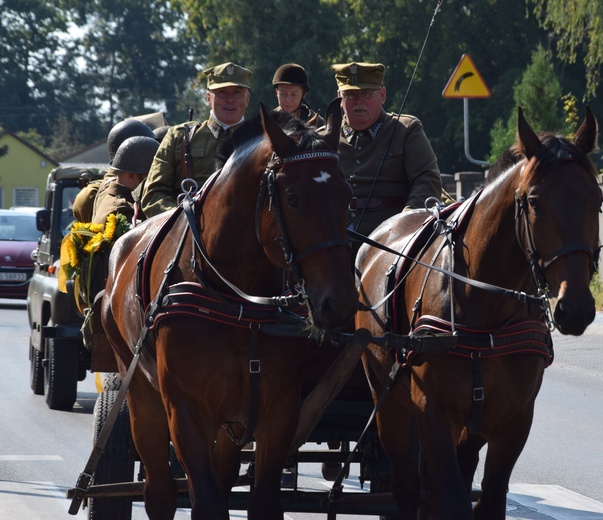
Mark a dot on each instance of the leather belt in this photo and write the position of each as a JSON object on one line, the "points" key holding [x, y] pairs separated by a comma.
{"points": [[377, 202]]}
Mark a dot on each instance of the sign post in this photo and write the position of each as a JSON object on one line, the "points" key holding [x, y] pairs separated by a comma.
{"points": [[466, 82]]}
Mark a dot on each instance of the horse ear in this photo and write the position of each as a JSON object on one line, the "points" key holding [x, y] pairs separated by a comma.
{"points": [[586, 136], [282, 144], [334, 118], [313, 121], [528, 140]]}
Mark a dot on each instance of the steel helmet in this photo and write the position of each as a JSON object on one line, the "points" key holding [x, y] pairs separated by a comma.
{"points": [[161, 132], [291, 74], [124, 129], [135, 155]]}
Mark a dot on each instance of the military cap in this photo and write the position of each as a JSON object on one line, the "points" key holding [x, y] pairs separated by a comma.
{"points": [[227, 75], [358, 75]]}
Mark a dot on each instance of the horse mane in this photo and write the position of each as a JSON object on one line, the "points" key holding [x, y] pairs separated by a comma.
{"points": [[506, 161], [556, 148], [304, 136]]}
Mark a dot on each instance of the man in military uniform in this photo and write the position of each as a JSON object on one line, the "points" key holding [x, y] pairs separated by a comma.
{"points": [[291, 84], [228, 96], [131, 165], [386, 158]]}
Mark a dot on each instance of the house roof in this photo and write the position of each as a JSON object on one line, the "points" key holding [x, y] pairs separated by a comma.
{"points": [[47, 158], [98, 153]]}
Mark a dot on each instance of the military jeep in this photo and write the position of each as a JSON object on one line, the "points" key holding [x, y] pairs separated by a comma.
{"points": [[57, 354]]}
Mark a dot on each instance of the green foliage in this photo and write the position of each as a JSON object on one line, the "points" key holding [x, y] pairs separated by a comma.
{"points": [[264, 34], [596, 288], [539, 93], [577, 24], [33, 137], [72, 68]]}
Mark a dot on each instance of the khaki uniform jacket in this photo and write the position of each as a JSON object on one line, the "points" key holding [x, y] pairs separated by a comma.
{"points": [[409, 174], [83, 205], [112, 197], [162, 186]]}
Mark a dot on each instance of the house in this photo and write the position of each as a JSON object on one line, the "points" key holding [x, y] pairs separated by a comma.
{"points": [[23, 172]]}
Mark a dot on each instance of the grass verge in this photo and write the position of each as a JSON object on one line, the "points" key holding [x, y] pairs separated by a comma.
{"points": [[596, 287]]}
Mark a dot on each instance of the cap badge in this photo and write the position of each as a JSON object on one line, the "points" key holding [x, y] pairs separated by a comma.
{"points": [[353, 68], [230, 70]]}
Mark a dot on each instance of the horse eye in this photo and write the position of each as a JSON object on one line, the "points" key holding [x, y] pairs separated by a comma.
{"points": [[533, 202], [293, 200]]}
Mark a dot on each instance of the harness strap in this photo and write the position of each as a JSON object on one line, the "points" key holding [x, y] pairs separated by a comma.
{"points": [[477, 405], [83, 482], [254, 388], [518, 295], [279, 301], [186, 162]]}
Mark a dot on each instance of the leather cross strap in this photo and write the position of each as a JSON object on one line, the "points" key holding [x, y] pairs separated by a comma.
{"points": [[186, 160]]}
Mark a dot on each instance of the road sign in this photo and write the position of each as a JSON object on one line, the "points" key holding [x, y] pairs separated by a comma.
{"points": [[466, 81]]}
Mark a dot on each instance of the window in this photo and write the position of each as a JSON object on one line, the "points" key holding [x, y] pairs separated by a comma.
{"points": [[25, 197]]}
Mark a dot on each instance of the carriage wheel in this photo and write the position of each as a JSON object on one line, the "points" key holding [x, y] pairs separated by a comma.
{"points": [[36, 372], [111, 381], [61, 373], [117, 461]]}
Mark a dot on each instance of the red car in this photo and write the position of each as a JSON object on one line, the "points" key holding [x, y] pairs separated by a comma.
{"points": [[18, 239]]}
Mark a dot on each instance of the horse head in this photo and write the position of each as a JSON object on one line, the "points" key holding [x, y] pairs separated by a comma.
{"points": [[558, 202], [301, 216]]}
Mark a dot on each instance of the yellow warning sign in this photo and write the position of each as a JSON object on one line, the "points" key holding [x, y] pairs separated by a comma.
{"points": [[466, 81]]}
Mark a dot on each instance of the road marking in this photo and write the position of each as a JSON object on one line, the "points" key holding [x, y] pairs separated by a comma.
{"points": [[556, 501], [20, 458], [34, 501]]}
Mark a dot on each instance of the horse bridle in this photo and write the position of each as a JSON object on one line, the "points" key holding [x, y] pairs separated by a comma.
{"points": [[268, 188], [539, 265]]}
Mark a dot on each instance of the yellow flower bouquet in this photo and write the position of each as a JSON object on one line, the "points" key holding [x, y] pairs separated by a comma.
{"points": [[84, 245]]}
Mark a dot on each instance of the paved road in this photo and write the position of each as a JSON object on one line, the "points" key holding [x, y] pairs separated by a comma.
{"points": [[559, 476]]}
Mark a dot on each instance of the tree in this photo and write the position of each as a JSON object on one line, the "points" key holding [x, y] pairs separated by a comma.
{"points": [[539, 93], [264, 34], [29, 55], [578, 25], [137, 55]]}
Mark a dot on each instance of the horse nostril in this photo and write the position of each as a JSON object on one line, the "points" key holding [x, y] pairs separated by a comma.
{"points": [[573, 320]]}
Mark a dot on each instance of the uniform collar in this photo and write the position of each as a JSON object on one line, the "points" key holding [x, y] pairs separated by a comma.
{"points": [[217, 128], [349, 133]]}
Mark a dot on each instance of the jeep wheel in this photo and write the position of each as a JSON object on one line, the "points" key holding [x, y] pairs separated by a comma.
{"points": [[61, 373], [36, 370], [117, 461]]}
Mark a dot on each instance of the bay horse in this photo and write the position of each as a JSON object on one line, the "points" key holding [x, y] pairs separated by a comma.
{"points": [[470, 318], [197, 285]]}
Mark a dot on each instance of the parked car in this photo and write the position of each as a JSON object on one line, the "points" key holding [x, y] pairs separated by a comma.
{"points": [[18, 240]]}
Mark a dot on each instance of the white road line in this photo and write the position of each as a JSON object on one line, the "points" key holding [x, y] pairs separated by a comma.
{"points": [[556, 501], [19, 458], [34, 501]]}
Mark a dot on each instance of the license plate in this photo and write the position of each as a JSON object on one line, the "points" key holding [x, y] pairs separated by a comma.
{"points": [[13, 277]]}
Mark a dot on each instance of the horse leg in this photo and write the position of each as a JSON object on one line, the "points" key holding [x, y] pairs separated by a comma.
{"points": [[149, 426], [274, 435], [396, 431], [227, 459], [503, 451], [193, 435], [447, 498], [468, 456], [400, 442], [152, 438]]}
